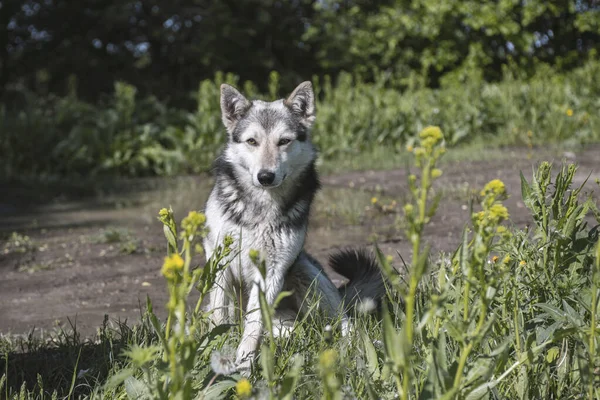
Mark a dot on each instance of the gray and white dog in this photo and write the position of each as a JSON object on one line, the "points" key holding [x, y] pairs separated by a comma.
{"points": [[265, 182]]}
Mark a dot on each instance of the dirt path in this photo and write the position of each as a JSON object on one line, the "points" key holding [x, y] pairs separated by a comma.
{"points": [[86, 256]]}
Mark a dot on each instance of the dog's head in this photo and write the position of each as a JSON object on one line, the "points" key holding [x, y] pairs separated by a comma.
{"points": [[270, 140]]}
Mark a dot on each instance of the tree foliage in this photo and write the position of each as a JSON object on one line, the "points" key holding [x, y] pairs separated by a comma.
{"points": [[166, 47]]}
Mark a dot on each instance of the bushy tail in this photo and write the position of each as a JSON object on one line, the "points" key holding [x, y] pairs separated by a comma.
{"points": [[365, 280]]}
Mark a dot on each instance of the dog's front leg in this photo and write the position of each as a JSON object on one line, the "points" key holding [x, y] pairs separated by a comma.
{"points": [[285, 253], [253, 323], [218, 300]]}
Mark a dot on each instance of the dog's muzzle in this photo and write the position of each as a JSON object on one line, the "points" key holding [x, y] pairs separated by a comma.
{"points": [[266, 178]]}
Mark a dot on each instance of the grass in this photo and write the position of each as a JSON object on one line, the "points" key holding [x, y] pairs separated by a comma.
{"points": [[512, 313]]}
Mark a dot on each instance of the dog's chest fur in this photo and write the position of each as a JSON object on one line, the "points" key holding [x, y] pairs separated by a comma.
{"points": [[271, 221]]}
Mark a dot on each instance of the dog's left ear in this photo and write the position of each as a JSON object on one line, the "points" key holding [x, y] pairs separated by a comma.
{"points": [[302, 103]]}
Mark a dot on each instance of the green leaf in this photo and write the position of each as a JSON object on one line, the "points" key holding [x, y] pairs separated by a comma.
{"points": [[552, 354], [217, 390], [481, 369], [291, 378], [172, 242], [572, 315], [267, 362], [392, 342], [522, 383], [525, 189], [371, 353], [118, 378], [136, 389]]}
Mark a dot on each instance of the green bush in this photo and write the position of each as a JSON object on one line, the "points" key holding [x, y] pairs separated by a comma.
{"points": [[128, 136]]}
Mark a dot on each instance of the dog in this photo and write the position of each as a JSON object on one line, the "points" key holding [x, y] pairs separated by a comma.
{"points": [[265, 183]]}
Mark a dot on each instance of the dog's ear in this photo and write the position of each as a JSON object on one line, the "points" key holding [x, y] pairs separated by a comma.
{"points": [[233, 106], [302, 103]]}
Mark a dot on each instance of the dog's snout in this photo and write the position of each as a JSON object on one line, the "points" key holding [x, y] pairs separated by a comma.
{"points": [[265, 177]]}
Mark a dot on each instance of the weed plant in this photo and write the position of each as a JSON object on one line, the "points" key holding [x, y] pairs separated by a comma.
{"points": [[511, 314], [130, 136]]}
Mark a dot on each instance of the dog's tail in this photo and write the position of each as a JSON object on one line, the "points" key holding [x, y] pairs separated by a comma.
{"points": [[366, 284]]}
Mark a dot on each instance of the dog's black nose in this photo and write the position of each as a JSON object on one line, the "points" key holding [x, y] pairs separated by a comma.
{"points": [[266, 178]]}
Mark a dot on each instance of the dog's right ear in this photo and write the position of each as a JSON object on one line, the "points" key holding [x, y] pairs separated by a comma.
{"points": [[233, 106]]}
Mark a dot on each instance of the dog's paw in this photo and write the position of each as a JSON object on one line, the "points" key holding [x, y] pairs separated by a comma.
{"points": [[346, 327], [245, 369], [244, 364]]}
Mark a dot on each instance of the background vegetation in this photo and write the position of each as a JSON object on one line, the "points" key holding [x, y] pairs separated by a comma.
{"points": [[131, 87]]}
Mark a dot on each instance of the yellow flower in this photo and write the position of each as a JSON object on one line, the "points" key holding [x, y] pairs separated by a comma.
{"points": [[522, 263], [506, 260], [433, 132], [192, 222], [419, 151], [499, 212], [165, 216], [373, 200], [328, 359], [569, 112], [495, 187], [243, 388], [495, 259], [171, 266]]}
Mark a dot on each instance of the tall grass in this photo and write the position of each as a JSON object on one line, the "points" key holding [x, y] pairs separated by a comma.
{"points": [[126, 135], [511, 314]]}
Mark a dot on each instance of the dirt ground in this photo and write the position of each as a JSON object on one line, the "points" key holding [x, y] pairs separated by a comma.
{"points": [[71, 253]]}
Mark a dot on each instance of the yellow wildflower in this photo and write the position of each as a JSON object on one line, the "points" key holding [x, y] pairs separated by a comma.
{"points": [[569, 112], [495, 259], [495, 187], [432, 132], [192, 222], [506, 260], [165, 216], [373, 200], [171, 266], [498, 212], [328, 359], [419, 151], [522, 263], [243, 388]]}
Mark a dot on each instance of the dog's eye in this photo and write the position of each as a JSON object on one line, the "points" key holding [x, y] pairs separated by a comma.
{"points": [[283, 142], [252, 142]]}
